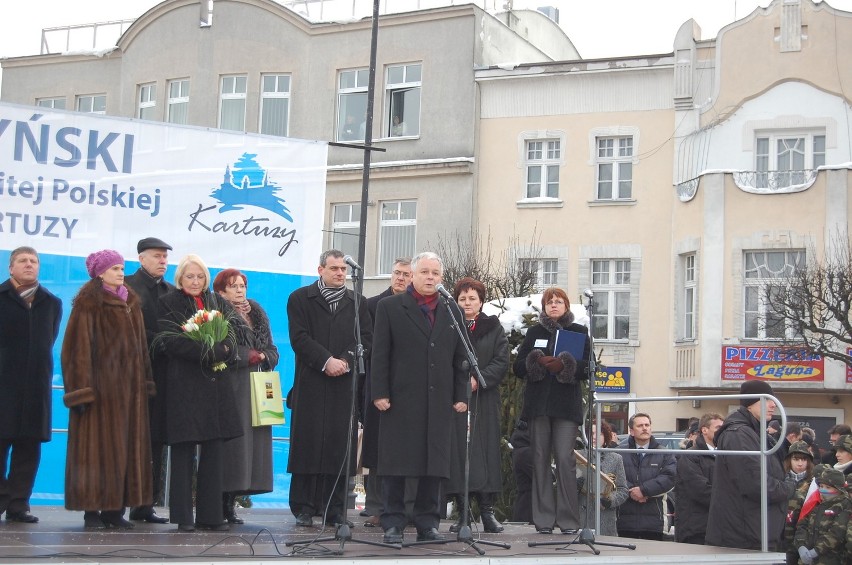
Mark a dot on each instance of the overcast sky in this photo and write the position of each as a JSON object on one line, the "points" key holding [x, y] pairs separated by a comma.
{"points": [[598, 28]]}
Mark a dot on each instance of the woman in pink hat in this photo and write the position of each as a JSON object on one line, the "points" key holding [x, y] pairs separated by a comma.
{"points": [[107, 376]]}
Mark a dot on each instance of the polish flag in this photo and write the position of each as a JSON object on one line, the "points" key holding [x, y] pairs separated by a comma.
{"points": [[811, 500]]}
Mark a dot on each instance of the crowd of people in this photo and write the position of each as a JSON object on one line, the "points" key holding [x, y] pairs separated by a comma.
{"points": [[418, 367]]}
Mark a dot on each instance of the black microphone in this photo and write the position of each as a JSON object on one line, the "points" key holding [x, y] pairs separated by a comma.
{"points": [[351, 262], [446, 293], [589, 293]]}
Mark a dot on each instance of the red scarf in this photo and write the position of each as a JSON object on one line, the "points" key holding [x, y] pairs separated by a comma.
{"points": [[198, 302], [427, 304]]}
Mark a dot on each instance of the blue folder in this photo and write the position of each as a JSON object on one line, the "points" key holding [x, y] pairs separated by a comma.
{"points": [[572, 342]]}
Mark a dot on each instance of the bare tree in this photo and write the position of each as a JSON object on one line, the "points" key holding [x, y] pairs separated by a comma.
{"points": [[811, 308]]}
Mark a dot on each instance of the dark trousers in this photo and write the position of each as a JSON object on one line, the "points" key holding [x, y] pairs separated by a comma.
{"points": [[427, 503], [208, 496], [373, 502], [157, 451], [658, 536], [311, 494], [18, 476]]}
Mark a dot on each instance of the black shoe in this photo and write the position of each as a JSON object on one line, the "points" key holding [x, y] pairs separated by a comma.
{"points": [[229, 509], [305, 520], [147, 514], [337, 520], [24, 517], [489, 521], [364, 514], [153, 518], [544, 530], [114, 520], [569, 530], [92, 520], [456, 528], [431, 534], [393, 535], [223, 527], [186, 527]]}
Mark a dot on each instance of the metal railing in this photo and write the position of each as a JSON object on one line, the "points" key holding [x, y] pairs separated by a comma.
{"points": [[763, 453]]}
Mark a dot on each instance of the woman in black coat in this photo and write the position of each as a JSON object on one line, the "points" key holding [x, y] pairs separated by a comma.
{"points": [[201, 408], [554, 405], [492, 356], [249, 469]]}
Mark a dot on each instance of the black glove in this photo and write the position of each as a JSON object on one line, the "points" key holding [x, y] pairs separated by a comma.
{"points": [[221, 351], [606, 502]]}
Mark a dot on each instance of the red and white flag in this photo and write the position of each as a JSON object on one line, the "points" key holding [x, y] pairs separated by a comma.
{"points": [[811, 500]]}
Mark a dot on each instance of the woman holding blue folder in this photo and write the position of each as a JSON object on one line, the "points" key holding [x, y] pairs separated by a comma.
{"points": [[553, 402]]}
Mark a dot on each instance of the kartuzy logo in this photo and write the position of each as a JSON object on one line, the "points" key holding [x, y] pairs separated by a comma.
{"points": [[247, 184]]}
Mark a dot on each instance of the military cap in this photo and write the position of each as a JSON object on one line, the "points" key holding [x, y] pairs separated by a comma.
{"points": [[801, 448], [151, 243], [844, 442], [832, 477]]}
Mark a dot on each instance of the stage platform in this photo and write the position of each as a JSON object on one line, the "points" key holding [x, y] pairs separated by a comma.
{"points": [[59, 537]]}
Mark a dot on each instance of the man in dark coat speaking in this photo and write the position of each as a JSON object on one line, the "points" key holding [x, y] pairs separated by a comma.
{"points": [[29, 324], [149, 284], [418, 378], [322, 335]]}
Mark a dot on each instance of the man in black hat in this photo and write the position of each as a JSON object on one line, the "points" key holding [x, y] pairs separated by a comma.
{"points": [[734, 519], [149, 284]]}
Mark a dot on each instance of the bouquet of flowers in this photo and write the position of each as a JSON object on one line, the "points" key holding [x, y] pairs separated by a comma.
{"points": [[207, 327]]}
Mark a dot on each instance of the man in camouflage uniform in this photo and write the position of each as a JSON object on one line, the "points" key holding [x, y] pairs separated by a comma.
{"points": [[821, 535]]}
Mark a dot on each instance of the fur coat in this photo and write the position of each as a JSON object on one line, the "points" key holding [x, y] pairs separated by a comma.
{"points": [[108, 381]]}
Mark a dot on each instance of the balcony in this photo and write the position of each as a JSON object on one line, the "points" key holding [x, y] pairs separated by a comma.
{"points": [[775, 182]]}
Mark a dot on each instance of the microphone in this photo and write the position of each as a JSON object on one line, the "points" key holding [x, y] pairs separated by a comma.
{"points": [[351, 262], [446, 294], [588, 293]]}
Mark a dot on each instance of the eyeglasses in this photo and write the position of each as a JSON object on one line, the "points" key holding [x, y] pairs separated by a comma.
{"points": [[556, 302], [194, 277], [237, 286], [403, 274]]}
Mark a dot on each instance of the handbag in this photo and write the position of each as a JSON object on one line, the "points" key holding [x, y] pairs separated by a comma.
{"points": [[267, 404]]}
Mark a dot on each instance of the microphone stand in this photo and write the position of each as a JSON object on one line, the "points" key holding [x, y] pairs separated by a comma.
{"points": [[464, 534], [343, 533], [586, 535]]}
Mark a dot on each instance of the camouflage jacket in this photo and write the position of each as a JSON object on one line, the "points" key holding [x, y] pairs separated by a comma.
{"points": [[794, 506], [824, 529]]}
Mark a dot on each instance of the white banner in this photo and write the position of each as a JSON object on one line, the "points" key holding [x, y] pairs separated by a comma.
{"points": [[74, 183]]}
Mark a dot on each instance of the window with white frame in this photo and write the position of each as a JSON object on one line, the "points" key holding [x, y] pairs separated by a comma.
{"points": [[346, 227], [546, 271], [275, 104], [611, 287], [92, 103], [178, 110], [614, 168], [55, 103], [352, 104], [765, 274], [689, 296], [543, 158], [232, 103], [783, 159], [402, 99], [397, 233], [147, 109]]}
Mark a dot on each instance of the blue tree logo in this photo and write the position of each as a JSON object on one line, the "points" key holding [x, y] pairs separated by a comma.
{"points": [[247, 184]]}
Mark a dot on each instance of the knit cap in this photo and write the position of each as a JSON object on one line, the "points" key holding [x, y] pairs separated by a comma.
{"points": [[98, 262]]}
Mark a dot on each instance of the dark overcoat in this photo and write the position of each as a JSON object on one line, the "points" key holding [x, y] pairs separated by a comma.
{"points": [[248, 468], [655, 475], [370, 414], [27, 335], [150, 290], [107, 374], [693, 488], [734, 519], [492, 356], [421, 369], [200, 402], [321, 405]]}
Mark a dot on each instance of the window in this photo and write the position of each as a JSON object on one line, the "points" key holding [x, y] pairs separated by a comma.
{"points": [[546, 271], [147, 102], [402, 99], [765, 274], [783, 160], [178, 101], [689, 297], [615, 168], [397, 233], [352, 104], [92, 104], [55, 103], [543, 160], [275, 106], [345, 228], [611, 285], [233, 103]]}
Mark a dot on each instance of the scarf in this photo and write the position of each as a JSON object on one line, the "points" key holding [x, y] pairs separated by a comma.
{"points": [[427, 304], [197, 299], [332, 295], [26, 291], [243, 309], [121, 292], [842, 467], [471, 325]]}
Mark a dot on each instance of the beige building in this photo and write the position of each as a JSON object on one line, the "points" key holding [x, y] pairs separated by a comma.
{"points": [[674, 186]]}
